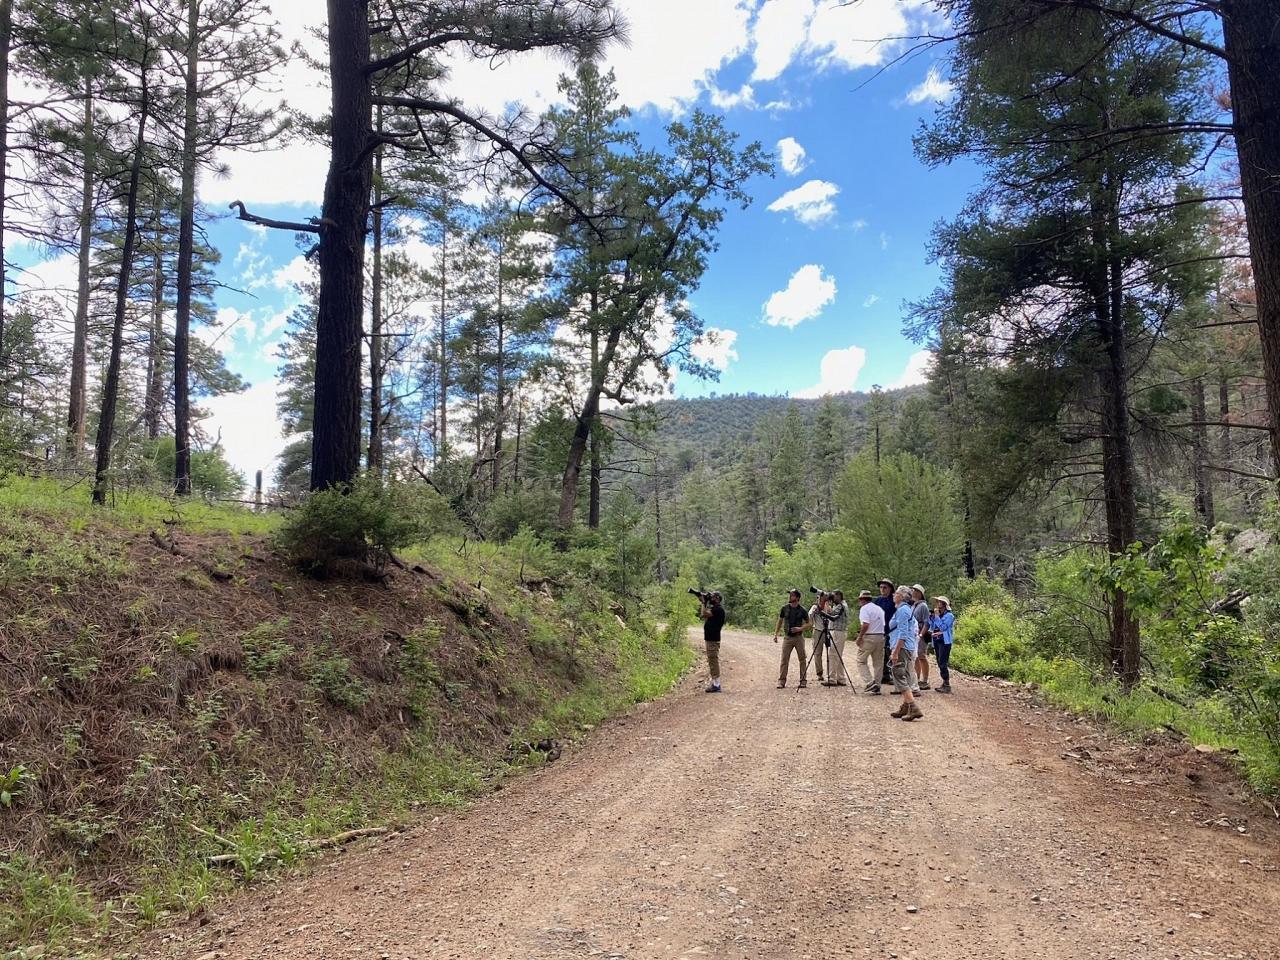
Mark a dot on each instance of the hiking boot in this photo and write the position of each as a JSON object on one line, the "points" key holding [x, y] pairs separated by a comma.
{"points": [[900, 712], [874, 690], [924, 685], [802, 684], [913, 712], [945, 688], [712, 688], [782, 684]]}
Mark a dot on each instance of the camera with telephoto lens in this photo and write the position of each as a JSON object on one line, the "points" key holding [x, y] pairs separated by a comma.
{"points": [[702, 595]]}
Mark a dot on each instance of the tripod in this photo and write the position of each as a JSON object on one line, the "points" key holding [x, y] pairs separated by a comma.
{"points": [[827, 641]]}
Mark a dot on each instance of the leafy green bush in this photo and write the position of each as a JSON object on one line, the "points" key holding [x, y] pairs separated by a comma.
{"points": [[365, 522], [988, 642], [1069, 609]]}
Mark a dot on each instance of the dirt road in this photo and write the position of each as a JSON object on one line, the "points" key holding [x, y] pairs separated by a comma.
{"points": [[801, 824]]}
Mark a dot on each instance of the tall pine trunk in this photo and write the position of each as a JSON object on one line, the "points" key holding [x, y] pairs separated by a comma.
{"points": [[1118, 474], [6, 36], [111, 389], [593, 484], [582, 432], [374, 458], [500, 398], [77, 405], [335, 438], [442, 434], [1251, 29], [1224, 416], [1200, 461], [153, 403], [186, 258]]}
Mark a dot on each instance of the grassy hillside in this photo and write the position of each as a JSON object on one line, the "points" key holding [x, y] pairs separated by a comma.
{"points": [[172, 691]]}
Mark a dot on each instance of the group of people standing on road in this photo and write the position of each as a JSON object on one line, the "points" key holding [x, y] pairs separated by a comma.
{"points": [[896, 630]]}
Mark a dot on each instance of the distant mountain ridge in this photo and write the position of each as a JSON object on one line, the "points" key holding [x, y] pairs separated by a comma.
{"points": [[701, 422]]}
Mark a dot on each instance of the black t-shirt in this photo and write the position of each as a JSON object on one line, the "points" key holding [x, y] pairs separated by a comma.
{"points": [[793, 617], [712, 626]]}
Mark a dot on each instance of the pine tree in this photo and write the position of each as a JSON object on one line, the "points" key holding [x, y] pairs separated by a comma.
{"points": [[1081, 247], [402, 77]]}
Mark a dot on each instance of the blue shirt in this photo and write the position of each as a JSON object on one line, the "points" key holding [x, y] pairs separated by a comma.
{"points": [[944, 625], [885, 604], [903, 628]]}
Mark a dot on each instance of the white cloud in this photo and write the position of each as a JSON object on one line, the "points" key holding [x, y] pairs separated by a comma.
{"points": [[793, 156], [917, 370], [811, 203], [829, 33], [54, 276], [872, 300], [659, 67], [933, 87], [780, 32], [840, 370], [297, 271], [251, 434], [859, 224], [808, 293], [884, 240], [860, 34], [717, 347], [727, 100], [273, 321]]}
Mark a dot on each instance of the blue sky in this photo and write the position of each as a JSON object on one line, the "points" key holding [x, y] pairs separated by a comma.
{"points": [[809, 294]]}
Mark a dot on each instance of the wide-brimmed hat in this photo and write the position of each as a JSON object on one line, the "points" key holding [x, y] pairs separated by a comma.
{"points": [[866, 595], [918, 589], [886, 580], [942, 600]]}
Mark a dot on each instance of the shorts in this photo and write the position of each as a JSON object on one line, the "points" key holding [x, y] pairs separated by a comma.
{"points": [[903, 676]]}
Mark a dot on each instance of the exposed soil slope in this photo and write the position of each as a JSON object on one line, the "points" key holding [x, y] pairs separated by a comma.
{"points": [[157, 686], [801, 824]]}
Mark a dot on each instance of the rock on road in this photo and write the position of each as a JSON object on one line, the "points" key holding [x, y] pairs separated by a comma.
{"points": [[765, 823]]}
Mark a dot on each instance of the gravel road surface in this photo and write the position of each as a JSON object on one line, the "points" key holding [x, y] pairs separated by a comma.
{"points": [[766, 823]]}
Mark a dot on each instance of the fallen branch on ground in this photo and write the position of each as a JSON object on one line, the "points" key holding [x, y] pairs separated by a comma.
{"points": [[168, 545], [309, 846]]}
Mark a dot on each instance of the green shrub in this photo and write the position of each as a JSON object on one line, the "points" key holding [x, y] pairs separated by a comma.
{"points": [[333, 678], [988, 642], [366, 522], [265, 646]]}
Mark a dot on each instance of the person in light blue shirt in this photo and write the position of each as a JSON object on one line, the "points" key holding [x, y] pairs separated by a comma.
{"points": [[903, 637], [942, 630]]}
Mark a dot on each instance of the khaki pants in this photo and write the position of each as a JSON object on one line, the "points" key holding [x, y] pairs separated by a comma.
{"points": [[793, 641], [871, 648], [713, 658], [834, 670]]}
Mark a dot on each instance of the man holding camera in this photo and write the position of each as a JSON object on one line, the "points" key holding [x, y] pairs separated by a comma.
{"points": [[713, 616], [794, 619], [837, 614], [815, 622]]}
